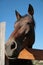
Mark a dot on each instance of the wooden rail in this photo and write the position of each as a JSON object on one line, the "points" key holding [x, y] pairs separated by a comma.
{"points": [[35, 54], [2, 43]]}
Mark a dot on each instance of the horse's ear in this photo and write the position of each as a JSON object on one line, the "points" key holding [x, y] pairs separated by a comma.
{"points": [[30, 10], [17, 15]]}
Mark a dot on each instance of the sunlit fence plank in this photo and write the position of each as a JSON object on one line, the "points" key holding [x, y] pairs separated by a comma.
{"points": [[2, 43]]}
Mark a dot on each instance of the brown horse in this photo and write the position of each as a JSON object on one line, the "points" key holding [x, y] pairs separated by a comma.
{"points": [[24, 34]]}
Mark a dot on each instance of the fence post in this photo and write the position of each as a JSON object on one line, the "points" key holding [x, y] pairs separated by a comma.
{"points": [[2, 43]]}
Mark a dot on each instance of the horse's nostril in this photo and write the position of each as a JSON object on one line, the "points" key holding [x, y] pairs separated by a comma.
{"points": [[13, 45]]}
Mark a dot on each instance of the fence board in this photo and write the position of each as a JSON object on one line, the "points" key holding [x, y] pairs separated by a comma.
{"points": [[33, 54], [2, 43]]}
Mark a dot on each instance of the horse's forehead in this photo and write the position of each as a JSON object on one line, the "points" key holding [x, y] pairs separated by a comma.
{"points": [[25, 18]]}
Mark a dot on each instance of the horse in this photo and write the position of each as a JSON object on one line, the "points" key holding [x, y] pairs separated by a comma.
{"points": [[24, 34]]}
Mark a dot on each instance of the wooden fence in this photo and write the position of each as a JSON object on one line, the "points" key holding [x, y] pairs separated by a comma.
{"points": [[33, 54], [2, 43]]}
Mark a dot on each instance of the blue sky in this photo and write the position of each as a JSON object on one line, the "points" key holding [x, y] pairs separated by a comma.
{"points": [[7, 14]]}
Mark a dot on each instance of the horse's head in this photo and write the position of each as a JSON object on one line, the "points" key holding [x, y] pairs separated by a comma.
{"points": [[23, 33]]}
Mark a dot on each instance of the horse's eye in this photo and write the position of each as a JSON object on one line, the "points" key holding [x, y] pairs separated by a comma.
{"points": [[13, 45]]}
